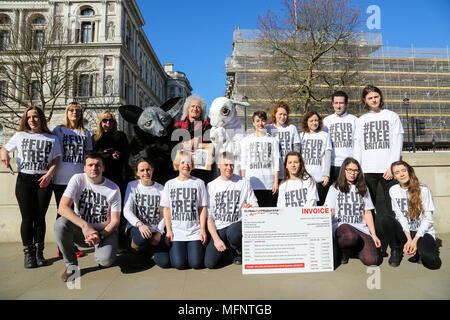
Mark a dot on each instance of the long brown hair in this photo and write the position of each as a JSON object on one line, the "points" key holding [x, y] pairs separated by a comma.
{"points": [[415, 206], [360, 182], [301, 173], [100, 130], [43, 121], [278, 105]]}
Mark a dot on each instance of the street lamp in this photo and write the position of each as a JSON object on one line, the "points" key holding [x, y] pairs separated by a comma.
{"points": [[406, 104], [245, 99]]}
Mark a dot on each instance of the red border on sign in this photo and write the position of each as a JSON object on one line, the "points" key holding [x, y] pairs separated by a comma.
{"points": [[274, 266]]}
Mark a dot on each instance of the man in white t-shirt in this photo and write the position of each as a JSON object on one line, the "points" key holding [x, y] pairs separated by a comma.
{"points": [[227, 194], [341, 127], [94, 219]]}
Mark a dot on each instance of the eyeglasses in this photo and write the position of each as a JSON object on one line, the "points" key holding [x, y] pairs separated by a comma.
{"points": [[74, 110], [107, 120], [356, 171]]}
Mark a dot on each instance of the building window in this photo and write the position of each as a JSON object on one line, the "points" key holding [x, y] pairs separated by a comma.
{"points": [[4, 39], [4, 19], [87, 32], [39, 20], [35, 90], [3, 92], [87, 12], [84, 85], [38, 40]]}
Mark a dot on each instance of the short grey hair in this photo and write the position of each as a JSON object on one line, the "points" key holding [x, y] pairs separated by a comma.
{"points": [[187, 102]]}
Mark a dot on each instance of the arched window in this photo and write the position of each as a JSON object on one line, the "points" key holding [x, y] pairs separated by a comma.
{"points": [[4, 19], [85, 32], [37, 25], [38, 20], [87, 12]]}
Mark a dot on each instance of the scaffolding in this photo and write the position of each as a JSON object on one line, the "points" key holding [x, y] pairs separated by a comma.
{"points": [[415, 81]]}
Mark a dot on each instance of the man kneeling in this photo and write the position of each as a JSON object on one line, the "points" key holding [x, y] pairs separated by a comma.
{"points": [[228, 194], [94, 219]]}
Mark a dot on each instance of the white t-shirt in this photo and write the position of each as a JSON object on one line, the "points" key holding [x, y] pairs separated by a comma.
{"points": [[297, 193], [226, 198], [260, 160], [286, 136], [349, 208], [35, 151], [74, 146], [314, 145], [341, 130], [93, 202], [399, 198], [378, 140], [142, 204], [184, 198]]}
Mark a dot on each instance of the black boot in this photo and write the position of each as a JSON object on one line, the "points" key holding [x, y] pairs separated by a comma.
{"points": [[41, 262], [345, 256], [396, 257], [237, 257], [30, 257]]}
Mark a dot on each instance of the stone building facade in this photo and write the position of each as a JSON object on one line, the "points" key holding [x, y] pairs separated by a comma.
{"points": [[112, 61]]}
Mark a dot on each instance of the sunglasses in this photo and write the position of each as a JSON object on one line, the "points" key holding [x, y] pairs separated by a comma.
{"points": [[107, 120]]}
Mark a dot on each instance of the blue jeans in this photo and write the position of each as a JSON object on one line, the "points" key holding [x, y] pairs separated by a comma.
{"points": [[231, 236], [160, 251], [184, 254]]}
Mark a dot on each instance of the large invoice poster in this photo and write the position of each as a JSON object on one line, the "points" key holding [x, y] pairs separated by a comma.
{"points": [[286, 240]]}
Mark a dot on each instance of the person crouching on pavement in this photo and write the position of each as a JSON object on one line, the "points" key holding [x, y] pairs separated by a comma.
{"points": [[228, 194], [94, 219]]}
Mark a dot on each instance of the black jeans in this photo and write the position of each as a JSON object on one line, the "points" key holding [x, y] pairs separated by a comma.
{"points": [[322, 191], [427, 248], [33, 204], [266, 198], [58, 190], [372, 180]]}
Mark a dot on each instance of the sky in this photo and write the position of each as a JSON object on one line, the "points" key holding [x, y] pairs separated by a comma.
{"points": [[197, 35]]}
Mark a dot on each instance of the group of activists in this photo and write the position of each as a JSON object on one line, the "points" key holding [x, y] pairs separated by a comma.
{"points": [[194, 220]]}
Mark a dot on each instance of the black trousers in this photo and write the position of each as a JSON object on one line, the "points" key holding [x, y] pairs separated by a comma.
{"points": [[33, 204], [372, 180], [322, 191], [266, 198], [427, 247], [58, 190]]}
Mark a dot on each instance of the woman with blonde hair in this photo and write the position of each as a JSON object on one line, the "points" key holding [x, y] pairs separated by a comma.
{"points": [[112, 144], [38, 154], [75, 142], [411, 231]]}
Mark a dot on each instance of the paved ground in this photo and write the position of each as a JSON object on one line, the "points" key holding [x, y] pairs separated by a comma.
{"points": [[409, 281]]}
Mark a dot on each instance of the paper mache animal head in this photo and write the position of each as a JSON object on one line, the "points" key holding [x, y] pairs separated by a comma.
{"points": [[153, 127], [226, 131], [223, 114], [153, 120]]}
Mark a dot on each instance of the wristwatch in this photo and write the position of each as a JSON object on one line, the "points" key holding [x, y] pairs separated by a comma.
{"points": [[139, 224]]}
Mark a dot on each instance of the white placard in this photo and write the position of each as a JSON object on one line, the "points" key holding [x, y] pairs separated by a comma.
{"points": [[286, 240]]}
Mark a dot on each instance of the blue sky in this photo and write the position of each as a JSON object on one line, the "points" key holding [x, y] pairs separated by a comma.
{"points": [[197, 35]]}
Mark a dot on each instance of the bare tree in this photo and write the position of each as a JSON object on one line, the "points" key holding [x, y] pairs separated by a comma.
{"points": [[312, 48], [36, 67]]}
